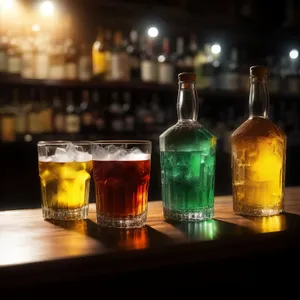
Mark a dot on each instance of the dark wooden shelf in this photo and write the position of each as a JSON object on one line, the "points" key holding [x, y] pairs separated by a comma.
{"points": [[128, 85]]}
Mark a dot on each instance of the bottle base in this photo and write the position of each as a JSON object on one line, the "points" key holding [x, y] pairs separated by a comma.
{"points": [[126, 222], [67, 214], [188, 216], [257, 211]]}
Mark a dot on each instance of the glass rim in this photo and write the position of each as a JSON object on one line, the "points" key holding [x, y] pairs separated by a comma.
{"points": [[63, 142], [129, 142]]}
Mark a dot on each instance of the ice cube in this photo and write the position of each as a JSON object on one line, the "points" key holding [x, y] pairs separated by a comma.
{"points": [[63, 155], [60, 155], [134, 151], [111, 149], [136, 154], [119, 154], [99, 153], [71, 151], [83, 156]]}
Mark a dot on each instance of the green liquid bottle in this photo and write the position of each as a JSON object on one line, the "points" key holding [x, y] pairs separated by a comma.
{"points": [[187, 158]]}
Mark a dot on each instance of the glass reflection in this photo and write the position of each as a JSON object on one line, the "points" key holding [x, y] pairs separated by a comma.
{"points": [[205, 230], [124, 239], [270, 224], [78, 226], [73, 242], [133, 238]]}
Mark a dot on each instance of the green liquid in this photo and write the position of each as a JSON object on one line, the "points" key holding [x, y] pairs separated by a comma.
{"points": [[188, 183]]}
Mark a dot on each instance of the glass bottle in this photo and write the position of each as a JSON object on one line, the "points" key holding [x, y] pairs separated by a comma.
{"points": [[70, 60], [84, 63], [14, 57], [86, 111], [58, 113], [4, 42], [187, 157], [72, 115], [134, 56], [120, 66], [189, 58], [258, 155], [108, 52], [165, 66], [98, 56], [149, 68]]}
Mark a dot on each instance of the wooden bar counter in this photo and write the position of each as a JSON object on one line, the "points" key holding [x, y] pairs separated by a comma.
{"points": [[38, 255]]}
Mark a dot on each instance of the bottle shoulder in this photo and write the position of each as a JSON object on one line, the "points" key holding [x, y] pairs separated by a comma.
{"points": [[258, 127], [181, 137], [182, 129], [255, 129]]}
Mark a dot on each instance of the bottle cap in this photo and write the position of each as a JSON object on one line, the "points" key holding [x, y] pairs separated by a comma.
{"points": [[186, 76], [258, 71]]}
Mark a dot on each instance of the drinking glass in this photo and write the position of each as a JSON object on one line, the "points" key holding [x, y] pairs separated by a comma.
{"points": [[121, 171], [65, 171]]}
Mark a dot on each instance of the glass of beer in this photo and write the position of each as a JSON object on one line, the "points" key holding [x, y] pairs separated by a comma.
{"points": [[65, 173], [121, 171]]}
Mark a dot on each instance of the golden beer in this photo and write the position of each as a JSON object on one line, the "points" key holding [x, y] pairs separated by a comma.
{"points": [[65, 189]]}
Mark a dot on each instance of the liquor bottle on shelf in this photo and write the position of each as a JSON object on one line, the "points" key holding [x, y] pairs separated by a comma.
{"points": [[27, 57], [86, 111], [128, 112], [244, 73], [134, 56], [107, 52], [57, 61], [20, 108], [149, 63], [293, 77], [204, 68], [230, 76], [42, 60], [8, 121], [98, 56], [258, 155], [274, 75], [46, 113], [72, 115], [158, 113], [98, 111], [71, 59], [14, 57], [179, 55], [187, 157], [84, 63], [3, 51], [189, 58], [120, 66], [58, 113], [116, 113], [34, 124], [165, 66]]}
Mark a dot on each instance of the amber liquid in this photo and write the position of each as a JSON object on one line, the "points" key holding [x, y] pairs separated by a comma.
{"points": [[121, 187], [258, 168]]}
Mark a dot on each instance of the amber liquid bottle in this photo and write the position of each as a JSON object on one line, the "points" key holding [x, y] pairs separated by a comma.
{"points": [[258, 155]]}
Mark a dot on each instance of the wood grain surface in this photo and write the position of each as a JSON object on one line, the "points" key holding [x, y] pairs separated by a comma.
{"points": [[31, 245]]}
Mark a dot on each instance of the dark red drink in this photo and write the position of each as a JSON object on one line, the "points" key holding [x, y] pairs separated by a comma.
{"points": [[121, 188]]}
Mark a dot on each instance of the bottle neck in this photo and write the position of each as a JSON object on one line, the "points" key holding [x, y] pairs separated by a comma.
{"points": [[258, 98], [187, 102]]}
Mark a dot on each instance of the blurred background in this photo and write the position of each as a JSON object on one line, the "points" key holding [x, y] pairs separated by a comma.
{"points": [[96, 69]]}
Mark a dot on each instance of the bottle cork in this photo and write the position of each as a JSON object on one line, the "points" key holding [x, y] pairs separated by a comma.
{"points": [[258, 71], [186, 76]]}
